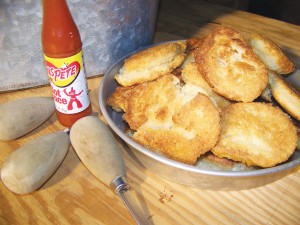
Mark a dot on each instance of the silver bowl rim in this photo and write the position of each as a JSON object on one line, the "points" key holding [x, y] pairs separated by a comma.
{"points": [[189, 168]]}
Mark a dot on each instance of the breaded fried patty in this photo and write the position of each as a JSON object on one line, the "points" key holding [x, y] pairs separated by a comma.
{"points": [[151, 99], [285, 95], [191, 75], [177, 121], [230, 66], [118, 99], [271, 54], [256, 133], [151, 63]]}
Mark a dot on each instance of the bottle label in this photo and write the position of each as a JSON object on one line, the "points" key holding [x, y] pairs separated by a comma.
{"points": [[68, 83]]}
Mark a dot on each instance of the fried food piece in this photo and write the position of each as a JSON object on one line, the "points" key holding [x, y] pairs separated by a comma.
{"points": [[174, 120], [151, 63], [151, 99], [271, 54], [257, 134], [230, 66], [285, 95], [191, 75], [118, 99]]}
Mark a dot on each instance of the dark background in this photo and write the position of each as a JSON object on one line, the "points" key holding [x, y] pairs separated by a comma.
{"points": [[284, 10]]}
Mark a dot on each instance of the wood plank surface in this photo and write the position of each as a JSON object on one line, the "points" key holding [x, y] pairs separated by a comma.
{"points": [[73, 196]]}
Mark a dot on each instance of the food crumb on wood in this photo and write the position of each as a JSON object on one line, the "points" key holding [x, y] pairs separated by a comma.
{"points": [[164, 196]]}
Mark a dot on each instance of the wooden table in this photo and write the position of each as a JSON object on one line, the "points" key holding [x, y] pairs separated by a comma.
{"points": [[74, 196]]}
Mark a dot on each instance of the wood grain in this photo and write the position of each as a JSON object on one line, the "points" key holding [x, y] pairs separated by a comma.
{"points": [[73, 196]]}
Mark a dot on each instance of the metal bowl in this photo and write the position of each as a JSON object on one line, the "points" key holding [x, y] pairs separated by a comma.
{"points": [[182, 173]]}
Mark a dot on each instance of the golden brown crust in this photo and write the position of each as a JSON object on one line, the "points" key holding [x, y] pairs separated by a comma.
{"points": [[193, 43], [191, 75], [271, 54], [256, 134], [119, 98], [177, 121], [230, 66], [151, 63], [285, 95], [194, 131], [151, 99]]}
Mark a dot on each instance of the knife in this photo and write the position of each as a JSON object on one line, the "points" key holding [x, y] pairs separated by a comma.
{"points": [[99, 151]]}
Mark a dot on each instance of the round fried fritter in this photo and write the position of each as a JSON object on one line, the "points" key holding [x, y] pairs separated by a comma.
{"points": [[191, 131], [151, 63], [173, 119], [151, 99], [257, 134], [285, 95], [271, 54], [230, 66]]}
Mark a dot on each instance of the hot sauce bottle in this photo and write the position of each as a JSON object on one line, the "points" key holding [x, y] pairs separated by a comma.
{"points": [[62, 49]]}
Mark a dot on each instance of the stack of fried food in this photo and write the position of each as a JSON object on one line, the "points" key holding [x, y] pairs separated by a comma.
{"points": [[187, 98]]}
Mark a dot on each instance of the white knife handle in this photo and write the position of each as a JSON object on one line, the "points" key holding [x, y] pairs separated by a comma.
{"points": [[98, 149]]}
